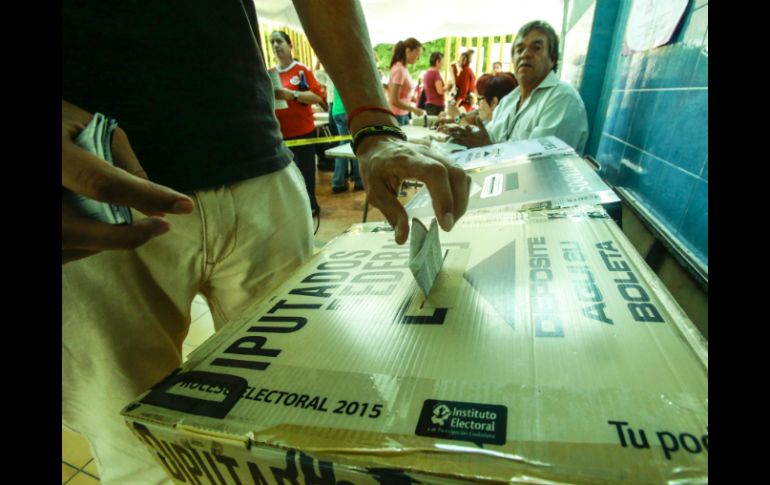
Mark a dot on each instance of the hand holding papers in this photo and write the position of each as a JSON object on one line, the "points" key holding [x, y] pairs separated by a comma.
{"points": [[100, 173], [96, 138]]}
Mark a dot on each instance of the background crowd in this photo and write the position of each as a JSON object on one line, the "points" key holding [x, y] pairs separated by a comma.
{"points": [[462, 98]]}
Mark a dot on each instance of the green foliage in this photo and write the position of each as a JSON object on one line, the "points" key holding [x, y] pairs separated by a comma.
{"points": [[385, 53]]}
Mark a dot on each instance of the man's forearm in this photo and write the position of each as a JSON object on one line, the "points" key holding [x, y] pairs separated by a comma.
{"points": [[308, 97], [347, 58]]}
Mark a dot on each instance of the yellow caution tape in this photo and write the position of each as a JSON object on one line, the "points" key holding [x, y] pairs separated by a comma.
{"points": [[313, 141]]}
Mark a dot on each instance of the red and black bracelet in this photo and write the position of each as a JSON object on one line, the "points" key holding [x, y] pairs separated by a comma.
{"points": [[361, 109], [367, 131]]}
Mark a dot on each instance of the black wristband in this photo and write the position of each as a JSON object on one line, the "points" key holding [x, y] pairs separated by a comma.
{"points": [[359, 136]]}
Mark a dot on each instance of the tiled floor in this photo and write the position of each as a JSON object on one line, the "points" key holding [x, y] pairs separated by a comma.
{"points": [[338, 212], [77, 466]]}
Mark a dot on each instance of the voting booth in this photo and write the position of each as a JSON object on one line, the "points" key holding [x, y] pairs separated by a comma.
{"points": [[546, 351]]}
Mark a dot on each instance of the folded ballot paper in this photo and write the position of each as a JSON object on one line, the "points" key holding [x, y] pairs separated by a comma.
{"points": [[97, 139], [425, 256]]}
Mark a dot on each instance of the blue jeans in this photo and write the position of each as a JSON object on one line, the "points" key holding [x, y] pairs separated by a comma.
{"points": [[304, 157], [341, 164], [403, 119]]}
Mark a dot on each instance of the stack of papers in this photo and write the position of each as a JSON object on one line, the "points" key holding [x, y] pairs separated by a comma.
{"points": [[97, 139]]}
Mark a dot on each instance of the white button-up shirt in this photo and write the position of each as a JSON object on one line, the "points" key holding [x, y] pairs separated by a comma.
{"points": [[554, 108]]}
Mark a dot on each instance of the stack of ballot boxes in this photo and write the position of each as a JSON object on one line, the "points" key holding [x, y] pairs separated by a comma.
{"points": [[543, 173], [545, 351]]}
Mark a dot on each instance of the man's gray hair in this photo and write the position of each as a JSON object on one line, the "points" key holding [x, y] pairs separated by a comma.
{"points": [[553, 39]]}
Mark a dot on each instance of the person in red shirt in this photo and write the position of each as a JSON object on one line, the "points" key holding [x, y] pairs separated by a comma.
{"points": [[434, 86], [465, 80], [300, 90]]}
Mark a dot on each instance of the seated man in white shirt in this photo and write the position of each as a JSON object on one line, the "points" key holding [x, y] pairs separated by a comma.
{"points": [[541, 105]]}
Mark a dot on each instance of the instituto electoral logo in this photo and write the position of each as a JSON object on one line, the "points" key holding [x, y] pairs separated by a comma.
{"points": [[463, 421], [441, 413]]}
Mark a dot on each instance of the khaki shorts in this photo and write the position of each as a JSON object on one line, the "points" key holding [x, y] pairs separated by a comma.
{"points": [[125, 314]]}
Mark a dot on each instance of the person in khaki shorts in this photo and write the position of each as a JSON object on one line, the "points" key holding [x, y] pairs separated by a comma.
{"points": [[218, 207]]}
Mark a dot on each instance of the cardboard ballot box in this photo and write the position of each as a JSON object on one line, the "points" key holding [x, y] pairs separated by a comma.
{"points": [[546, 352], [543, 173]]}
